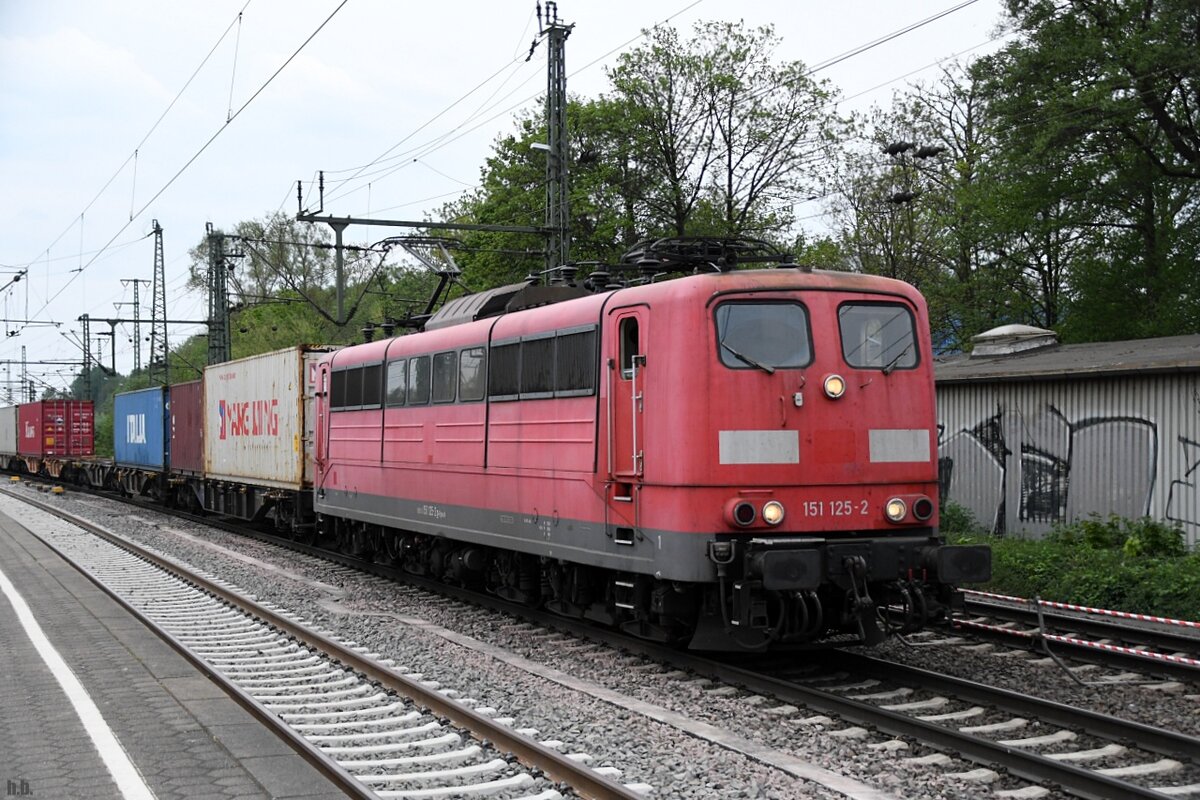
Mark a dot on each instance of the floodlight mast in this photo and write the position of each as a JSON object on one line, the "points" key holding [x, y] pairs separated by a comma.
{"points": [[557, 228]]}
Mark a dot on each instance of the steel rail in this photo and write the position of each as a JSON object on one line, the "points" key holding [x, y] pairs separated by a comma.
{"points": [[581, 778], [1090, 626], [1104, 726], [1082, 609], [1021, 763], [347, 783], [1094, 652], [1024, 764]]}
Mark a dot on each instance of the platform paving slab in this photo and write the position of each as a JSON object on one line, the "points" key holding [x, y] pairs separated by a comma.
{"points": [[186, 737]]}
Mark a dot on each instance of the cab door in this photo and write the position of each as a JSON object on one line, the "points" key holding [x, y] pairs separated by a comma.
{"points": [[627, 366], [321, 433]]}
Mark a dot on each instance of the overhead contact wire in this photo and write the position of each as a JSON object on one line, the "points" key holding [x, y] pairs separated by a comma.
{"points": [[153, 128], [203, 147]]}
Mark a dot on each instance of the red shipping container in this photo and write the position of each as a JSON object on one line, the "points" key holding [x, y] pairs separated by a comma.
{"points": [[187, 427], [56, 428]]}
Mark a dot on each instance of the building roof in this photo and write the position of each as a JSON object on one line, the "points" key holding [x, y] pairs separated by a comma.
{"points": [[1076, 361]]}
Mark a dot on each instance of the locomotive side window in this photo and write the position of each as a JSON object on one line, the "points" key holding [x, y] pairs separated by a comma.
{"points": [[397, 374], [576, 363], [630, 345], [337, 390], [354, 387], [766, 336], [470, 375], [372, 385], [537, 367], [558, 364], [504, 376], [418, 381], [878, 336], [445, 377]]}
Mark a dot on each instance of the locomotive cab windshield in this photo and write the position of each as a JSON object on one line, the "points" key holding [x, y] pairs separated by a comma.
{"points": [[763, 335], [877, 336]]}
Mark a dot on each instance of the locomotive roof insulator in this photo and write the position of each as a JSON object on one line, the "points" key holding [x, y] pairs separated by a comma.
{"points": [[598, 280], [649, 265]]}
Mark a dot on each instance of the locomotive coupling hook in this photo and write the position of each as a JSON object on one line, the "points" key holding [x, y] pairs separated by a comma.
{"points": [[856, 568]]}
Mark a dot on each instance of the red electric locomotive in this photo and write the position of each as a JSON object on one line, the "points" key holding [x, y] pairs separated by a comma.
{"points": [[743, 457]]}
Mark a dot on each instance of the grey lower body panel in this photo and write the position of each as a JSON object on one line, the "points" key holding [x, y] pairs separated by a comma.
{"points": [[669, 555]]}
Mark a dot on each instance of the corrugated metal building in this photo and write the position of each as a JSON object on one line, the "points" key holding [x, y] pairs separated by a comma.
{"points": [[1033, 433]]}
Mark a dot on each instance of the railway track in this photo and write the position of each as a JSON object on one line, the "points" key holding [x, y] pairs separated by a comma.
{"points": [[1154, 645], [993, 727], [1045, 744], [363, 722], [1081, 751], [971, 720]]}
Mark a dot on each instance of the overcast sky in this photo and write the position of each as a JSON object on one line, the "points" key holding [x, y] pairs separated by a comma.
{"points": [[85, 85]]}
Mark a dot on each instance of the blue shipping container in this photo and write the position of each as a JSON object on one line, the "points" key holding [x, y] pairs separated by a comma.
{"points": [[140, 425]]}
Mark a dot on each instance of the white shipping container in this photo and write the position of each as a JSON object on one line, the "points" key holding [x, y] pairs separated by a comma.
{"points": [[8, 431], [258, 418]]}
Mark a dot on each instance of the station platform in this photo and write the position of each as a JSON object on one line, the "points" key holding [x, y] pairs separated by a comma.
{"points": [[183, 736]]}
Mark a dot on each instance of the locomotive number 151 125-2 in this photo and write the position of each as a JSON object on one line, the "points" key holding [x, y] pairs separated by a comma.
{"points": [[835, 508]]}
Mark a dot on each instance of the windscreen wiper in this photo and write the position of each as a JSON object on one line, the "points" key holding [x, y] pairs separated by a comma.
{"points": [[892, 364], [747, 359]]}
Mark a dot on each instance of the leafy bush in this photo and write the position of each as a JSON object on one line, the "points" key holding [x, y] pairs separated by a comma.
{"points": [[103, 432], [1132, 565], [1140, 537], [959, 520]]}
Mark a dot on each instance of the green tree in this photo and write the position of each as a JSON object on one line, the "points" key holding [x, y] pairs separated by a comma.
{"points": [[708, 136], [725, 139], [1095, 111], [771, 129], [281, 292], [274, 253], [914, 204], [605, 197]]}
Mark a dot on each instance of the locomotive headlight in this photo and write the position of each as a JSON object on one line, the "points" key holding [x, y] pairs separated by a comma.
{"points": [[772, 512], [835, 386], [895, 509]]}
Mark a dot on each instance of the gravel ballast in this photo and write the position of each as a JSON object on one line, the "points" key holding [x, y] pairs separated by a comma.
{"points": [[417, 629]]}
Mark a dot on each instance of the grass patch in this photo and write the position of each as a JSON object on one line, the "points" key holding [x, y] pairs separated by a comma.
{"points": [[1131, 565]]}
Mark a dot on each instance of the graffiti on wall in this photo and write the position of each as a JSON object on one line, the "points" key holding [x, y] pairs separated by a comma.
{"points": [[1184, 500], [1017, 471]]}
